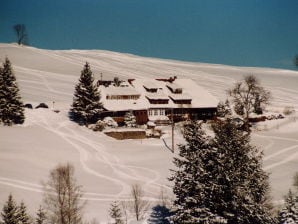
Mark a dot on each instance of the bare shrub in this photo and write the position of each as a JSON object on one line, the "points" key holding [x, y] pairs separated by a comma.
{"points": [[62, 196], [288, 110], [139, 206]]}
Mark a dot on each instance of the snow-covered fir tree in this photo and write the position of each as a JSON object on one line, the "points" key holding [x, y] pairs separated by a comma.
{"points": [[40, 216], [23, 217], [9, 212], [228, 110], [257, 105], [193, 179], [130, 119], [239, 109], [240, 190], [86, 104], [115, 213], [11, 105], [289, 214], [224, 109], [220, 179], [221, 109]]}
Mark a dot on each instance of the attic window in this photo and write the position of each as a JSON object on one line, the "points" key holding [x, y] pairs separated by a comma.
{"points": [[175, 89]]}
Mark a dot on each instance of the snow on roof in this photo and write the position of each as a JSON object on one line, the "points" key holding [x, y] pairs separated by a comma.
{"points": [[121, 104], [157, 96], [124, 105], [200, 98], [174, 85], [150, 84], [119, 91], [182, 96]]}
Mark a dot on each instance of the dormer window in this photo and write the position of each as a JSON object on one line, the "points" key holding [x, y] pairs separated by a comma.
{"points": [[174, 88], [151, 87]]}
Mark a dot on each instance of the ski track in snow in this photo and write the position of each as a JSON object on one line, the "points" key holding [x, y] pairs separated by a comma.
{"points": [[283, 155], [91, 150], [57, 84]]}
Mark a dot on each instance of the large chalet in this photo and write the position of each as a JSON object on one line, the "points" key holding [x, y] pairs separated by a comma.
{"points": [[156, 100]]}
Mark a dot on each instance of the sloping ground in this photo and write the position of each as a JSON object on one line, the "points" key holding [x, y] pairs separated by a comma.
{"points": [[104, 166]]}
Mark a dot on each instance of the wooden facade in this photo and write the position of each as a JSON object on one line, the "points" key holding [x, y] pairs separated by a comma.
{"points": [[118, 116]]}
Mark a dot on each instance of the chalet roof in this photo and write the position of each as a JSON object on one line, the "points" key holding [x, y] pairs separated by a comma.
{"points": [[119, 104], [150, 84], [119, 91], [157, 96], [181, 96], [200, 98], [123, 105], [174, 85]]}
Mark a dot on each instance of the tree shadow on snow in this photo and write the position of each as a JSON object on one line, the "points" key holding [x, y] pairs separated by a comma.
{"points": [[166, 145], [160, 215]]}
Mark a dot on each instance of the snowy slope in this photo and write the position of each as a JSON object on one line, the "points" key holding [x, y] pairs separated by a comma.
{"points": [[106, 167]]}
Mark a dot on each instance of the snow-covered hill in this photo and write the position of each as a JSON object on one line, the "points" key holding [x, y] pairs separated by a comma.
{"points": [[106, 167]]}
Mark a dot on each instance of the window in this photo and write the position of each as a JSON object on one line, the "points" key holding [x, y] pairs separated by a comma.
{"points": [[155, 112], [162, 112]]}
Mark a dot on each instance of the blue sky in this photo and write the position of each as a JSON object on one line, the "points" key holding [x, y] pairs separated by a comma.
{"points": [[237, 32]]}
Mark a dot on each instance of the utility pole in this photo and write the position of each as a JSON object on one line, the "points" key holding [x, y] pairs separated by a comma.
{"points": [[173, 125]]}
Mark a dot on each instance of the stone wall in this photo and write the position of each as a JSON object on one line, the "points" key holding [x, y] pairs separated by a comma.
{"points": [[129, 134]]}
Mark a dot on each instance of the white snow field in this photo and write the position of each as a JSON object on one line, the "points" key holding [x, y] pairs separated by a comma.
{"points": [[106, 167]]}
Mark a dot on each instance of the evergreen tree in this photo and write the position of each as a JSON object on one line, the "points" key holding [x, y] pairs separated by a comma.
{"points": [[115, 213], [220, 179], [11, 106], [193, 178], [40, 216], [257, 105], [9, 212], [224, 109], [289, 214], [86, 104], [23, 217], [130, 120], [239, 109], [228, 110], [221, 109], [240, 192]]}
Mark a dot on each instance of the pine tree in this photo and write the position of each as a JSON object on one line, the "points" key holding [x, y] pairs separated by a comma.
{"points": [[193, 178], [228, 110], [224, 109], [239, 109], [11, 105], [240, 192], [221, 109], [115, 213], [9, 212], [289, 214], [86, 104], [130, 120], [220, 179], [23, 217], [40, 216], [257, 105]]}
